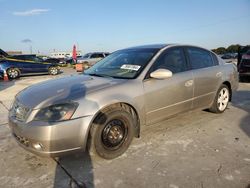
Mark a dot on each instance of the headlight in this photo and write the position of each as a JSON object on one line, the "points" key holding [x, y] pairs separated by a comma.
{"points": [[57, 112]]}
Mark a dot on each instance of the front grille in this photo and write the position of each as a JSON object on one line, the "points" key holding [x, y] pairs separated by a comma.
{"points": [[22, 140], [19, 111]]}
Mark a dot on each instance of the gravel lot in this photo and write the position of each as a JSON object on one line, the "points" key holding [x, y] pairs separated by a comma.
{"points": [[195, 149]]}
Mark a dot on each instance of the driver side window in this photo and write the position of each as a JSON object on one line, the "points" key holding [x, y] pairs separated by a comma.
{"points": [[171, 59]]}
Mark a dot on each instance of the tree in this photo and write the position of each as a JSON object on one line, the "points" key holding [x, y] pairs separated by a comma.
{"points": [[233, 48], [220, 50]]}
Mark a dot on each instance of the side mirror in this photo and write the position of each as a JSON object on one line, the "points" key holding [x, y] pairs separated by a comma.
{"points": [[161, 74]]}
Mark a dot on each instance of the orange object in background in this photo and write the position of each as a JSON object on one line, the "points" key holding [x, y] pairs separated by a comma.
{"points": [[5, 76], [79, 67]]}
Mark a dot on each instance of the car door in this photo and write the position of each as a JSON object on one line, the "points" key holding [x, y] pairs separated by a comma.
{"points": [[41, 65], [170, 96], [207, 76], [38, 65], [22, 64]]}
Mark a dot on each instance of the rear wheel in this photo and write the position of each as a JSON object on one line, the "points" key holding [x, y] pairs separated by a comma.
{"points": [[221, 100], [111, 133], [53, 71], [13, 73]]}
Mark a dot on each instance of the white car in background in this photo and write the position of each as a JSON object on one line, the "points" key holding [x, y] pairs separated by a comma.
{"points": [[90, 59]]}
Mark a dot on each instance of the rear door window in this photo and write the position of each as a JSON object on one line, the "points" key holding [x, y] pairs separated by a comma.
{"points": [[200, 58], [98, 55]]}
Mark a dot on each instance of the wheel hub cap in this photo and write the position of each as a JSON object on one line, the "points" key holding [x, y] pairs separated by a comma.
{"points": [[223, 99], [13, 73]]}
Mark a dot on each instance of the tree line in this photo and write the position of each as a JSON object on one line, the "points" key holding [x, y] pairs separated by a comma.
{"points": [[230, 49]]}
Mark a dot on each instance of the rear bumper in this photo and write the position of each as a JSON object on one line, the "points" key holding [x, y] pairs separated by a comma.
{"points": [[52, 140]]}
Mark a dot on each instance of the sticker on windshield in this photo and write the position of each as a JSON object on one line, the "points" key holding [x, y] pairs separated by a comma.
{"points": [[131, 67]]}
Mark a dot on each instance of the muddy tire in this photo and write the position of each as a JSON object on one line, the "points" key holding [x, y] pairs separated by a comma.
{"points": [[112, 132]]}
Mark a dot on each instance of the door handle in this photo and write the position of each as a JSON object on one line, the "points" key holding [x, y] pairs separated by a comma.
{"points": [[218, 74], [189, 83]]}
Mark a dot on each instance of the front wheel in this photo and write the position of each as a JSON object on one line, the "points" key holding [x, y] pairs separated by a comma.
{"points": [[13, 73], [221, 100], [53, 71], [111, 133]]}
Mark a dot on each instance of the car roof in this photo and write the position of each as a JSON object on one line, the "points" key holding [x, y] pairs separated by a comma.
{"points": [[150, 46], [3, 53], [25, 55]]}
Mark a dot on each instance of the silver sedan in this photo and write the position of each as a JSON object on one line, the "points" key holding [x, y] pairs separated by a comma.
{"points": [[103, 109]]}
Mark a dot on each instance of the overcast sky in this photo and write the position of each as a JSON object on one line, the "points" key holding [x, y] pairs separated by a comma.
{"points": [[98, 25]]}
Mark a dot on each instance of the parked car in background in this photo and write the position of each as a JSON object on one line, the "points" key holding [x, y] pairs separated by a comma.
{"points": [[53, 60], [70, 60], [18, 65], [103, 109], [33, 57], [90, 59], [3, 53], [229, 56], [241, 51], [244, 66]]}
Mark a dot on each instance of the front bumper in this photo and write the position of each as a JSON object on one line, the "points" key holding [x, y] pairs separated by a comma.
{"points": [[52, 140], [1, 73]]}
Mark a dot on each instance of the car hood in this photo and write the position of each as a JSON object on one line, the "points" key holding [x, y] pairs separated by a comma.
{"points": [[70, 88]]}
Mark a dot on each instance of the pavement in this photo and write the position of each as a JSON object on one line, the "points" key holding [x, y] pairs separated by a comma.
{"points": [[194, 149]]}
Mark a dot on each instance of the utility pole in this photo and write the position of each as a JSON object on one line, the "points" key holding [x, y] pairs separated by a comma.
{"points": [[30, 49]]}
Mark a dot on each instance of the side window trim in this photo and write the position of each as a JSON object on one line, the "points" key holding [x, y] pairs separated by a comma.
{"points": [[216, 62]]}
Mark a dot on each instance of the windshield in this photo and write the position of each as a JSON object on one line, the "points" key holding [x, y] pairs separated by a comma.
{"points": [[86, 55], [125, 64]]}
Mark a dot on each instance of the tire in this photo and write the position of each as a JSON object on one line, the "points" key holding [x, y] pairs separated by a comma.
{"points": [[221, 100], [53, 71], [13, 73], [112, 132]]}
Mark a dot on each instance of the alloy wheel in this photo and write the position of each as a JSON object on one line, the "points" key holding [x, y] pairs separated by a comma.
{"points": [[13, 73], [223, 99]]}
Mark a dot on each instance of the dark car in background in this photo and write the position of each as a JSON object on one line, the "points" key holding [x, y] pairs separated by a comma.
{"points": [[70, 60], [229, 56], [18, 65], [33, 57], [241, 51], [244, 66]]}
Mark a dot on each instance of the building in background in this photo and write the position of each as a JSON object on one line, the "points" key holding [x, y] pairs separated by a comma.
{"points": [[61, 55], [14, 52]]}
